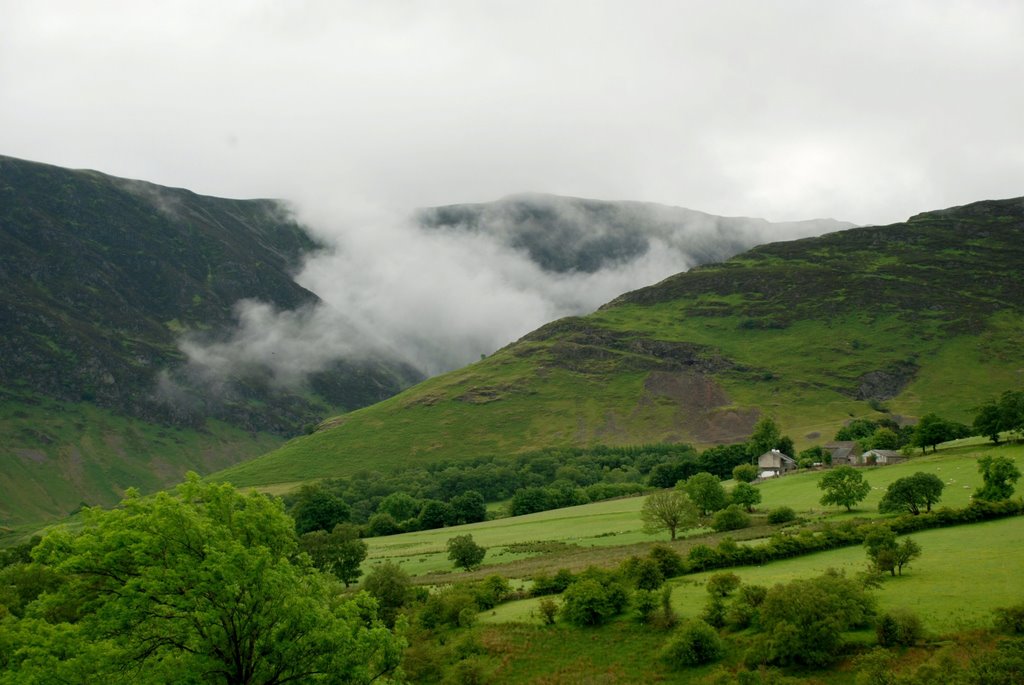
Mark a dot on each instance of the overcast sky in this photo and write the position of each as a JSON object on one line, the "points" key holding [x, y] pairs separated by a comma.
{"points": [[862, 111]]}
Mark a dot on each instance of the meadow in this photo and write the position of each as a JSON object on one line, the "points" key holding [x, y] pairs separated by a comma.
{"points": [[604, 533]]}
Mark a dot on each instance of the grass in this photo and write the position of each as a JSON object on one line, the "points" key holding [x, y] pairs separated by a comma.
{"points": [[604, 533], [59, 455]]}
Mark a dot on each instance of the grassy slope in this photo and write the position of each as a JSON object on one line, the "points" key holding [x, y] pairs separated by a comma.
{"points": [[790, 330], [57, 455], [962, 575], [604, 533]]}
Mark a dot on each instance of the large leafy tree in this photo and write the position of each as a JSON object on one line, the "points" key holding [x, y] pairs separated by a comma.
{"points": [[1006, 414], [669, 510], [845, 486], [911, 493], [339, 552], [998, 475], [199, 586], [464, 552], [707, 492]]}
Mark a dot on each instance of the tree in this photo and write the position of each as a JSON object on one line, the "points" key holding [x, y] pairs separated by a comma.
{"points": [[803, 620], [1006, 414], [843, 485], [339, 552], [464, 551], [199, 585], [999, 474], [765, 437], [669, 510], [434, 514], [911, 493], [590, 602], [390, 586], [744, 473], [885, 439], [888, 555], [401, 506], [694, 643], [857, 429], [706, 491], [745, 495], [469, 507], [933, 429], [731, 518], [317, 509]]}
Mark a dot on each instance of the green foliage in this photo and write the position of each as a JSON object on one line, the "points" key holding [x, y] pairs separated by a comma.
{"points": [[706, 492], [492, 591], [781, 515], [766, 437], [391, 587], [803, 620], [469, 507], [644, 573], [452, 606], [999, 474], [744, 473], [898, 628], [857, 429], [669, 510], [911, 493], [339, 552], [645, 604], [548, 610], [731, 518], [464, 552], [693, 644], [668, 560], [1010, 619], [745, 495], [1004, 415], [588, 602], [722, 584], [178, 586], [844, 486], [933, 429]]}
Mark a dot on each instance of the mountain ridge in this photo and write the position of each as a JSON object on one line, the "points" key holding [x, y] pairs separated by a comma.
{"points": [[924, 315]]}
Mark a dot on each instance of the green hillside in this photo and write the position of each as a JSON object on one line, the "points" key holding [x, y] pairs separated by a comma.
{"points": [[100, 277], [926, 315]]}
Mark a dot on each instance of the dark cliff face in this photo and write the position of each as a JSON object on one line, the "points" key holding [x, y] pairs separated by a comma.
{"points": [[100, 276]]}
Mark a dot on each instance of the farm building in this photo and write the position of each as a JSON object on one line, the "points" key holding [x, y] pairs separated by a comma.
{"points": [[883, 457], [845, 453], [774, 463]]}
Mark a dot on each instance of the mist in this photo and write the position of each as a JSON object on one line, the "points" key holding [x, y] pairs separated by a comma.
{"points": [[440, 288]]}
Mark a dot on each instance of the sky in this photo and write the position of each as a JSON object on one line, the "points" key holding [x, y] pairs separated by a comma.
{"points": [[358, 112], [859, 110]]}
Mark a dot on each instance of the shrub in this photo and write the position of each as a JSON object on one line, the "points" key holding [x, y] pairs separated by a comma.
{"points": [[722, 584], [670, 563], [693, 644], [491, 592], [548, 610], [731, 518], [781, 515], [744, 473], [899, 627], [588, 602], [645, 603], [451, 606], [1010, 619]]}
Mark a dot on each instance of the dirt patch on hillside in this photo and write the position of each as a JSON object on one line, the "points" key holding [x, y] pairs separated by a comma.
{"points": [[704, 412], [34, 456]]}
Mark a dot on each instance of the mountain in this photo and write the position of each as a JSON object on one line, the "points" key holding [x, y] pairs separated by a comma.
{"points": [[101, 278], [926, 315], [569, 234]]}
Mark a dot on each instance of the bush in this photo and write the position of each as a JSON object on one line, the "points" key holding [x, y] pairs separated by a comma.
{"points": [[670, 563], [1010, 619], [731, 518], [899, 627], [452, 606], [548, 610], [589, 602], [693, 644], [645, 603], [491, 592], [744, 473], [781, 515]]}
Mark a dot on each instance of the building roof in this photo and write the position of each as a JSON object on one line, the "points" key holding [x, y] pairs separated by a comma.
{"points": [[777, 453]]}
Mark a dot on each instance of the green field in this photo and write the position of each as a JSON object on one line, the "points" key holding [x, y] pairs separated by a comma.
{"points": [[604, 533]]}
